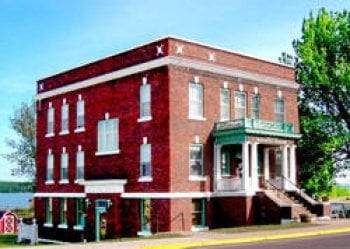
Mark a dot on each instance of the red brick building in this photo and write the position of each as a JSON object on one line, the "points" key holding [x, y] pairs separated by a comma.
{"points": [[169, 136]]}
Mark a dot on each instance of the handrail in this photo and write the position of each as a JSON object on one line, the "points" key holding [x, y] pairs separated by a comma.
{"points": [[275, 187], [291, 183]]}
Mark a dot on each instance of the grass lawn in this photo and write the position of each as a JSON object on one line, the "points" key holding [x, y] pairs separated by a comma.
{"points": [[261, 227], [8, 240]]}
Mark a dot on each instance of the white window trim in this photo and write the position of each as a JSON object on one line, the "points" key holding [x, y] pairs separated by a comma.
{"points": [[49, 182], [50, 135], [197, 178], [48, 225], [144, 233], [63, 226], [199, 229], [106, 153], [64, 181], [80, 129], [199, 118], [145, 179], [190, 115], [65, 132], [78, 227], [221, 104], [144, 119]]}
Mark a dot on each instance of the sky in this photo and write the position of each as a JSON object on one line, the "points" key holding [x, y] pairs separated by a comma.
{"points": [[39, 38]]}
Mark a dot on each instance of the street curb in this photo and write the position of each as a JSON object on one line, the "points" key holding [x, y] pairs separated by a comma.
{"points": [[246, 240]]}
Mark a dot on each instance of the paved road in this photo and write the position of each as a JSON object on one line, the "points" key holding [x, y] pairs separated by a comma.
{"points": [[338, 241]]}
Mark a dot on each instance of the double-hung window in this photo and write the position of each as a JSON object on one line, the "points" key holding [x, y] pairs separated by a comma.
{"points": [[80, 119], [49, 167], [63, 213], [240, 105], [48, 212], [64, 166], [145, 102], [145, 161], [196, 103], [196, 160], [79, 214], [50, 120], [64, 117], [279, 110], [108, 137], [224, 104], [79, 172], [256, 106]]}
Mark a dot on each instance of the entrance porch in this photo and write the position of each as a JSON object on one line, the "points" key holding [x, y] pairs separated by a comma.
{"points": [[251, 155]]}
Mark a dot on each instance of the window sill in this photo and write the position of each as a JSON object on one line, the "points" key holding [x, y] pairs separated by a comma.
{"points": [[106, 153], [199, 118], [50, 135], [64, 181], [49, 182], [197, 178], [80, 129], [66, 132], [63, 226], [78, 227], [144, 233], [48, 225], [78, 181], [145, 179], [144, 119], [199, 229]]}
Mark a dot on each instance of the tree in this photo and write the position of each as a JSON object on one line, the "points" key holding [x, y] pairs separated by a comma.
{"points": [[23, 122], [323, 72]]}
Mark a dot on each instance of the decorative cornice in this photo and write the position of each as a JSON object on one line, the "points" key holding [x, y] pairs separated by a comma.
{"points": [[164, 61]]}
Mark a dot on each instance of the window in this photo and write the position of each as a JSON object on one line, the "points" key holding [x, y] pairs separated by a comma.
{"points": [[196, 101], [64, 117], [79, 213], [64, 166], [196, 160], [50, 120], [256, 106], [145, 211], [63, 213], [240, 105], [145, 101], [225, 162], [79, 173], [49, 167], [224, 104], [108, 136], [279, 110], [198, 213], [145, 160], [80, 114], [48, 211]]}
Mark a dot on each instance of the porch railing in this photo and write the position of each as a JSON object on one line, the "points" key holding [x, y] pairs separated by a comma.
{"points": [[229, 184], [257, 124]]}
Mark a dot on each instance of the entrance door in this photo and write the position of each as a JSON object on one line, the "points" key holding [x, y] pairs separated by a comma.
{"points": [[101, 206]]}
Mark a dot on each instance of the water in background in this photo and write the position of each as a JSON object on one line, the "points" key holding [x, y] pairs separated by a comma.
{"points": [[9, 201]]}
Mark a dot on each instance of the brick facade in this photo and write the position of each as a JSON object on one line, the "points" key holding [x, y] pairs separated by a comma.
{"points": [[111, 87]]}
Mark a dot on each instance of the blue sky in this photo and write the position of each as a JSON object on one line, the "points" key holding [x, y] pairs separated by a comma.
{"points": [[39, 38]]}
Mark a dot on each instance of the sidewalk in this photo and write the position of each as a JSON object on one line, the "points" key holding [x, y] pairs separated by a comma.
{"points": [[218, 238]]}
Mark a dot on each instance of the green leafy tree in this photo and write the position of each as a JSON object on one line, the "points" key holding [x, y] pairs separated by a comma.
{"points": [[323, 71], [23, 122]]}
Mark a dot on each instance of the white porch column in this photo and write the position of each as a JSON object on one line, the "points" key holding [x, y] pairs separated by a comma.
{"points": [[266, 163], [254, 166], [245, 166], [217, 166], [292, 165], [284, 166]]}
